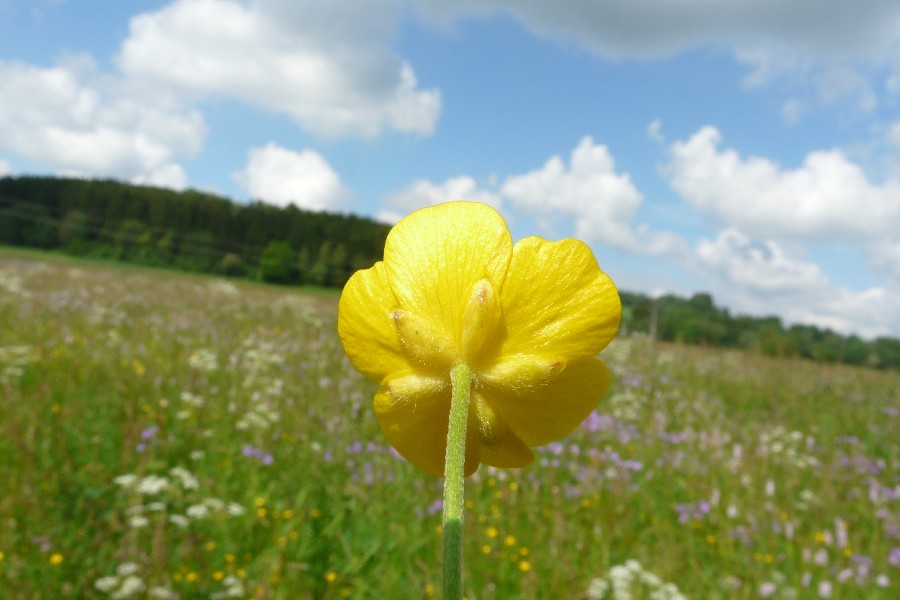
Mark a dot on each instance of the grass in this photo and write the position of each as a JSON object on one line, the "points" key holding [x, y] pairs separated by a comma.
{"points": [[177, 436]]}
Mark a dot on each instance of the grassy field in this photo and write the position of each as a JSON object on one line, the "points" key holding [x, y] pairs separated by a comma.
{"points": [[174, 436]]}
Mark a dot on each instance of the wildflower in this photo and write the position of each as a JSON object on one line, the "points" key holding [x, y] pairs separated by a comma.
{"points": [[56, 559], [528, 320]]}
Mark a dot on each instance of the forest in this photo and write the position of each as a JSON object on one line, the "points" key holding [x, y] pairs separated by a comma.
{"points": [[201, 232]]}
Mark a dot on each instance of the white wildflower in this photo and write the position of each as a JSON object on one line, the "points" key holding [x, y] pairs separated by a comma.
{"points": [[129, 587], [126, 481], [197, 511], [138, 521], [597, 589], [104, 584], [187, 480], [203, 360], [152, 484], [179, 521]]}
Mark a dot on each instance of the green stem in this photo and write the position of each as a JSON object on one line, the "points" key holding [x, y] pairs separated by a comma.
{"points": [[454, 471]]}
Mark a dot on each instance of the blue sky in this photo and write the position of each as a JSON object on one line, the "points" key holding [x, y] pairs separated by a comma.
{"points": [[746, 148]]}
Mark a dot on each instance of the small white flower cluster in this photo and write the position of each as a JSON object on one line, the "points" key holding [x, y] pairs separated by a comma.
{"points": [[630, 580], [790, 447], [625, 405], [178, 484], [233, 589], [11, 283], [189, 403], [203, 360], [260, 364], [260, 415], [13, 360], [126, 583]]}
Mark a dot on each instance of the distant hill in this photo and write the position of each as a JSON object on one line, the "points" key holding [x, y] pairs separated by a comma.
{"points": [[198, 231]]}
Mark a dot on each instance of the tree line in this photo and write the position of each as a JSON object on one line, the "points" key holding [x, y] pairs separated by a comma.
{"points": [[199, 231], [190, 230], [697, 320]]}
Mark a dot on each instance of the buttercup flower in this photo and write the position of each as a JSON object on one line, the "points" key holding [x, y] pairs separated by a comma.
{"points": [[527, 319]]}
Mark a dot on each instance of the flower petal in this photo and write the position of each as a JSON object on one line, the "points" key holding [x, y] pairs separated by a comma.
{"points": [[511, 453], [418, 431], [543, 413], [365, 327], [500, 447], [413, 411], [436, 255], [557, 301]]}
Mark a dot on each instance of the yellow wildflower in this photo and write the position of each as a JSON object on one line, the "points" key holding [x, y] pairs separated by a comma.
{"points": [[528, 320]]}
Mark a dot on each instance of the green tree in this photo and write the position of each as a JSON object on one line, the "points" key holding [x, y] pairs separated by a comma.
{"points": [[277, 263], [74, 230]]}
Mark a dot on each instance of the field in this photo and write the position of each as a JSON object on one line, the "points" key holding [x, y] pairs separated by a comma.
{"points": [[174, 436]]}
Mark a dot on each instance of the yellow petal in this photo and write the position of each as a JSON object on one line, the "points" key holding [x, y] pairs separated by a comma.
{"points": [[556, 300], [417, 430], [365, 326], [521, 373], [500, 447], [540, 414], [510, 453], [424, 342], [436, 255], [415, 422], [480, 321]]}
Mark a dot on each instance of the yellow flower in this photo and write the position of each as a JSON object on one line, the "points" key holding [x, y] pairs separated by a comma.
{"points": [[527, 319]]}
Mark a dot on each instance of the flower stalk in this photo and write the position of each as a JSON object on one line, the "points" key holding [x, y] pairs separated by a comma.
{"points": [[454, 469]]}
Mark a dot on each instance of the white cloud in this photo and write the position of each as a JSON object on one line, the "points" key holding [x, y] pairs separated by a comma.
{"points": [[884, 257], [655, 132], [839, 50], [588, 191], [169, 176], [280, 176], [5, 169], [602, 202], [423, 193], [828, 197], [325, 64], [70, 118], [758, 277], [760, 267], [652, 28]]}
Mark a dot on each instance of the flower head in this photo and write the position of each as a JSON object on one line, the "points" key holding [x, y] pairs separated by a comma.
{"points": [[527, 319]]}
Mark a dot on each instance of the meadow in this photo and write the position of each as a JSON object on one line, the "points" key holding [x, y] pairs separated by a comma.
{"points": [[165, 435]]}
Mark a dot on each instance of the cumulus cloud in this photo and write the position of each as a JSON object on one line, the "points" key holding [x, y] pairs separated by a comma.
{"points": [[828, 197], [757, 266], [5, 169], [280, 176], [71, 118], [601, 201], [325, 64], [653, 28], [884, 257], [759, 277], [838, 50], [423, 193], [588, 191]]}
